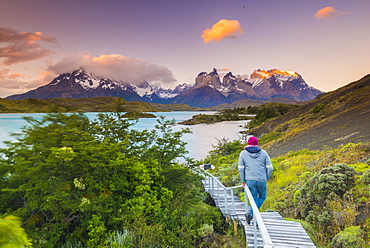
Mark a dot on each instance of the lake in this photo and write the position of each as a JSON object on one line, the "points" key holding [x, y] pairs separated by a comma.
{"points": [[199, 142]]}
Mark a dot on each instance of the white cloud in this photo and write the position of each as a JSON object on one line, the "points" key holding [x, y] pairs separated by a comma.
{"points": [[116, 67]]}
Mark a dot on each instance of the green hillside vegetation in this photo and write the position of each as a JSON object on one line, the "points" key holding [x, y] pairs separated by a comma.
{"points": [[327, 191], [321, 156], [245, 103], [95, 104], [261, 112], [174, 107], [224, 115], [268, 111], [80, 183], [335, 118], [135, 115], [101, 104], [28, 106]]}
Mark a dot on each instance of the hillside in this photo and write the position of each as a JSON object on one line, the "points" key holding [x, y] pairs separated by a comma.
{"points": [[110, 104], [331, 119], [95, 104], [174, 107], [30, 105], [244, 103], [101, 104], [320, 154]]}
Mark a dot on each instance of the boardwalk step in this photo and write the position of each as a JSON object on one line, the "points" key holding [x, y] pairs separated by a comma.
{"points": [[283, 233]]}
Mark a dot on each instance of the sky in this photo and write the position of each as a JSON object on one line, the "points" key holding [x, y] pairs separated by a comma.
{"points": [[169, 42]]}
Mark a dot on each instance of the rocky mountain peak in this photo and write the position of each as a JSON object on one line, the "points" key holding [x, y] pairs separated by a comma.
{"points": [[262, 74], [229, 75], [213, 72], [203, 73]]}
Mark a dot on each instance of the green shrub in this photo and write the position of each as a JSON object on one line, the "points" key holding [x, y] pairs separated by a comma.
{"points": [[349, 237], [336, 179], [365, 178], [318, 108]]}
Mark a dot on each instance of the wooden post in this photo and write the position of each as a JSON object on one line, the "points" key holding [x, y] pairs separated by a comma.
{"points": [[235, 228]]}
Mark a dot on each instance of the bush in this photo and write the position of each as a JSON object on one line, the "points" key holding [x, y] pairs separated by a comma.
{"points": [[365, 178], [268, 111], [336, 179], [77, 182], [318, 108], [349, 237]]}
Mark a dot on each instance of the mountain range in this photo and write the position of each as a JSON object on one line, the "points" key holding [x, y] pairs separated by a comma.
{"points": [[207, 91]]}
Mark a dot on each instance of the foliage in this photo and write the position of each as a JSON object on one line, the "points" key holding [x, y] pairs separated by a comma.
{"points": [[55, 105], [336, 179], [326, 190], [365, 178], [77, 182], [174, 107], [31, 105], [268, 111], [318, 108], [349, 237], [224, 115], [101, 104], [135, 114], [12, 235]]}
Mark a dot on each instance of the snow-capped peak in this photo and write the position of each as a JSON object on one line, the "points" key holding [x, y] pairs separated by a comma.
{"points": [[274, 72]]}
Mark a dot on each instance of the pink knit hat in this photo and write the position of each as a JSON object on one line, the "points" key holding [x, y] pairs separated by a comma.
{"points": [[253, 141]]}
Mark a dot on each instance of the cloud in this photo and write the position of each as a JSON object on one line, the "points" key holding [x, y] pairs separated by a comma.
{"points": [[225, 69], [13, 83], [23, 46], [116, 67], [4, 74], [329, 13], [221, 30]]}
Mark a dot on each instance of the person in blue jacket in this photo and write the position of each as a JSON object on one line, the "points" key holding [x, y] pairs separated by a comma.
{"points": [[255, 170]]}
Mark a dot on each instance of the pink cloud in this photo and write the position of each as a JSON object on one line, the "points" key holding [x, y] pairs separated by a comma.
{"points": [[329, 13], [221, 30], [4, 74], [23, 46]]}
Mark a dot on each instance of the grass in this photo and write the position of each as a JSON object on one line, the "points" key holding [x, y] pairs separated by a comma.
{"points": [[294, 169]]}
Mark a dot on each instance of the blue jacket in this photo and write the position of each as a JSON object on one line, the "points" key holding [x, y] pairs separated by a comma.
{"points": [[254, 164]]}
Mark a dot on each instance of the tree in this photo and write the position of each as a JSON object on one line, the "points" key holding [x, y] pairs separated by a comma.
{"points": [[12, 235], [76, 179]]}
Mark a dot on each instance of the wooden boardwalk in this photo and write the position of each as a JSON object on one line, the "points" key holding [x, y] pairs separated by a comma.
{"points": [[283, 233]]}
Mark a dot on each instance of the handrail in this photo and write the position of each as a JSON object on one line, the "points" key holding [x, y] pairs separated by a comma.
{"points": [[257, 219]]}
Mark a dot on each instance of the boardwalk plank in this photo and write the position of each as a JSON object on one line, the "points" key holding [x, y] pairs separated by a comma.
{"points": [[283, 233]]}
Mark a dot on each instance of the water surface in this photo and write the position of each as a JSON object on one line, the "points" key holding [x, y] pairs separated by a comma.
{"points": [[199, 142]]}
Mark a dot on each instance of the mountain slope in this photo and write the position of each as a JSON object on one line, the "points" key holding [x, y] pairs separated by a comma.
{"points": [[332, 119], [281, 84], [92, 104], [80, 84], [202, 97]]}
